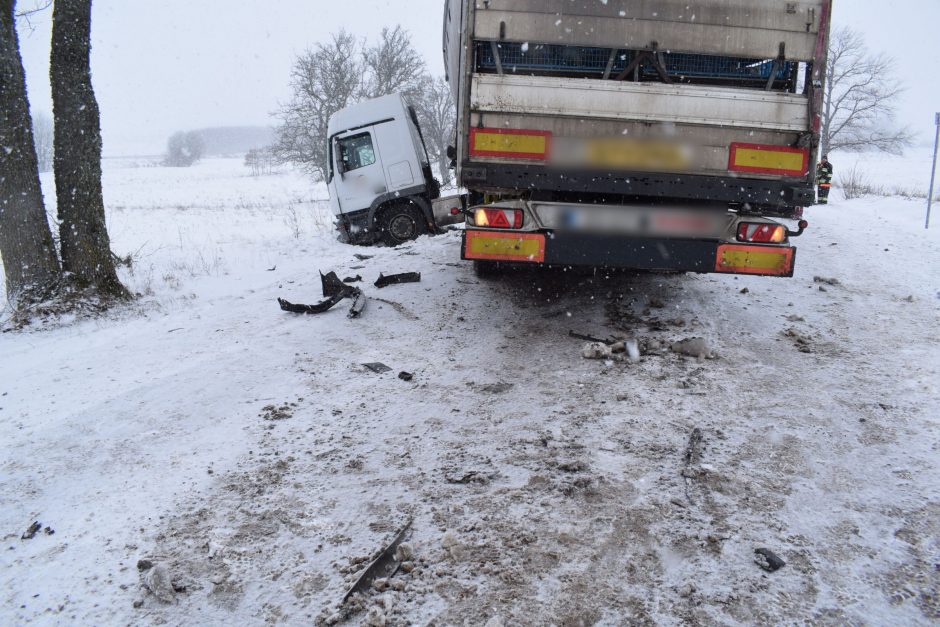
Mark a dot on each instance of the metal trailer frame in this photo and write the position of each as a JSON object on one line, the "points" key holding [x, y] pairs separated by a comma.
{"points": [[756, 35]]}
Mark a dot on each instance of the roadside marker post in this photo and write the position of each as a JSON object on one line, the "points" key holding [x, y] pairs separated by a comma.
{"points": [[933, 171]]}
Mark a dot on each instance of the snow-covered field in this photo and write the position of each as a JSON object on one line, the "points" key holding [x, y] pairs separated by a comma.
{"points": [[250, 453]]}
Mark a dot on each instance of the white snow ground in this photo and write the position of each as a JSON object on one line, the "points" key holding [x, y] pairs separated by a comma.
{"points": [[572, 497]]}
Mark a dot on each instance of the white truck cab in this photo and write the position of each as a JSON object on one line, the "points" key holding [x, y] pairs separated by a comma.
{"points": [[379, 176]]}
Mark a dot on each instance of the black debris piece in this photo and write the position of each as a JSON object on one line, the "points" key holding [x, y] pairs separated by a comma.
{"points": [[335, 291], [332, 286], [405, 376], [363, 257], [768, 560], [49, 531], [310, 309], [353, 279], [395, 279], [358, 305], [271, 269], [590, 338], [377, 367], [385, 565], [32, 531]]}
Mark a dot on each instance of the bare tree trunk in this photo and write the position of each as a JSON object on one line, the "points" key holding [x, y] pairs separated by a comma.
{"points": [[29, 259], [86, 247]]}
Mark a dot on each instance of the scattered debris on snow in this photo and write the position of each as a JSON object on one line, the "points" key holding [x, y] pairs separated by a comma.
{"points": [[335, 291], [383, 566], [396, 279], [801, 341], [358, 305], [768, 560], [826, 281], [319, 308], [273, 412], [31, 531], [377, 367]]}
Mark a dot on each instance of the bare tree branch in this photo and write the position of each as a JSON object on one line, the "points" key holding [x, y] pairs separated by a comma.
{"points": [[860, 100], [324, 80], [333, 76], [438, 115], [24, 14], [394, 66]]}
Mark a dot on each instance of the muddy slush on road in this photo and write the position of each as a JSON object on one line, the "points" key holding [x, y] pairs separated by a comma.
{"points": [[544, 488]]}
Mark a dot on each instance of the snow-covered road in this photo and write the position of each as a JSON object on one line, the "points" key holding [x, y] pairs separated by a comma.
{"points": [[543, 488]]}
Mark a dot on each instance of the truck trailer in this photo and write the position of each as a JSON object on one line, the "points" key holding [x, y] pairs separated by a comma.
{"points": [[665, 135]]}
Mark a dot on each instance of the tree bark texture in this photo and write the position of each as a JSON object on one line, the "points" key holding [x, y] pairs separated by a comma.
{"points": [[83, 233], [30, 263]]}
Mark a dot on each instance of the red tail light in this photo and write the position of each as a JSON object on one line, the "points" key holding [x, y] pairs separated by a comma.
{"points": [[498, 218], [761, 233]]}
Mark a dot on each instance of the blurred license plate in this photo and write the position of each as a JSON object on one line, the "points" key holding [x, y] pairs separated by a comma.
{"points": [[630, 154], [659, 221]]}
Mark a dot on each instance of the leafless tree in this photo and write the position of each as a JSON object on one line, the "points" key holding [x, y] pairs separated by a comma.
{"points": [[438, 116], [394, 66], [260, 161], [860, 98], [335, 75], [324, 80], [30, 264], [184, 149], [43, 137], [83, 233]]}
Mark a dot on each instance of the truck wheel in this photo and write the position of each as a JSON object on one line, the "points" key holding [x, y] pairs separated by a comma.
{"points": [[486, 269], [399, 224]]}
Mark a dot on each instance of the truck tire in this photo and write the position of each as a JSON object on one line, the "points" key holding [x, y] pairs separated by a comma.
{"points": [[400, 223]]}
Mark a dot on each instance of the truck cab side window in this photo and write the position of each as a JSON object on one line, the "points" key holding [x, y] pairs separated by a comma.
{"points": [[356, 151]]}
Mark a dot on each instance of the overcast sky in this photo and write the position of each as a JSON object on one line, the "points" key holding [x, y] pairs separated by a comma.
{"points": [[165, 65]]}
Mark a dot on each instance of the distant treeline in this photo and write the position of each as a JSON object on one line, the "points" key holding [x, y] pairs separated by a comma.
{"points": [[234, 140]]}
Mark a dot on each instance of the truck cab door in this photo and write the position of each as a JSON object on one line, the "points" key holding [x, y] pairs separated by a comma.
{"points": [[359, 176]]}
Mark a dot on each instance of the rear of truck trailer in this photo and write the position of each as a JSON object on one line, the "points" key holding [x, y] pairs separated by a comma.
{"points": [[652, 134]]}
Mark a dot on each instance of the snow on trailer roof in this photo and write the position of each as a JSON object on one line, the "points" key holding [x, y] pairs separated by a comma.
{"points": [[368, 112]]}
